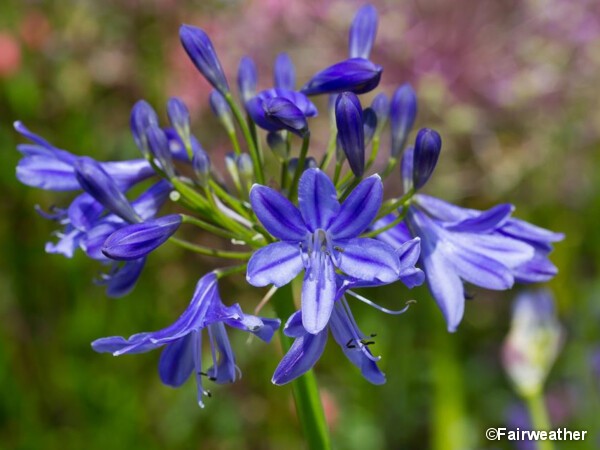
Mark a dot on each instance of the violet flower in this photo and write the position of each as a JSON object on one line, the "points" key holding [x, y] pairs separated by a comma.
{"points": [[182, 340]]}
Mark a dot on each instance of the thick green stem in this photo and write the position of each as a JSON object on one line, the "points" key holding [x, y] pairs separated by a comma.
{"points": [[305, 389], [244, 256], [539, 417]]}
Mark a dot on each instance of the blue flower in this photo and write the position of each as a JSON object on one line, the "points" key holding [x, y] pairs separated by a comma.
{"points": [[349, 120], [403, 111], [182, 340], [284, 74], [320, 237], [485, 248], [247, 78], [362, 32]]}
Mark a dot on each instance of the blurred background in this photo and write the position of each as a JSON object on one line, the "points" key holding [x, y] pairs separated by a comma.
{"points": [[511, 85]]}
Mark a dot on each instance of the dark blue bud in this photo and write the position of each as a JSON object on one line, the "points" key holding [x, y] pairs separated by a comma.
{"points": [[201, 165], [406, 169], [200, 50], [278, 113], [362, 32], [284, 74], [160, 149], [179, 116], [247, 78], [277, 144], [381, 106], [427, 150], [221, 109], [95, 181], [369, 124], [142, 116], [356, 75], [137, 240], [403, 111], [349, 120], [310, 163]]}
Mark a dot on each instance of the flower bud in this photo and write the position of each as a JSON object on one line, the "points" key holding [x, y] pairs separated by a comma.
{"points": [[96, 182], [534, 341], [142, 116], [231, 166], [179, 116], [221, 109], [356, 75], [349, 120], [160, 149], [245, 167], [199, 48], [284, 74], [381, 107], [406, 168], [277, 113], [427, 150], [201, 165], [403, 111], [362, 32], [369, 125], [137, 240], [247, 78]]}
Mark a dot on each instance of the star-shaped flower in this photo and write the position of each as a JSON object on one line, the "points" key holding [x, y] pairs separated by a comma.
{"points": [[321, 236]]}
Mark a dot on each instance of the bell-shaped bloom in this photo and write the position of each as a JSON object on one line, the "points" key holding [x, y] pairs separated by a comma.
{"points": [[381, 106], [403, 111], [94, 180], [459, 244], [358, 75], [182, 341], [320, 237], [278, 113], [46, 167], [428, 145], [533, 342], [349, 120], [142, 116], [199, 48], [362, 32], [137, 240], [284, 74], [308, 348], [247, 78]]}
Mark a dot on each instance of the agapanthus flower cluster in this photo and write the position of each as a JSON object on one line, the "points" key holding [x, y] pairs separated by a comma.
{"points": [[319, 218]]}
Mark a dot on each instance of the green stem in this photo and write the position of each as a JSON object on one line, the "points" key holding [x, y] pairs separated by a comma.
{"points": [[253, 149], [392, 205], [539, 417], [210, 251], [330, 153], [390, 167], [305, 389], [300, 166], [207, 226]]}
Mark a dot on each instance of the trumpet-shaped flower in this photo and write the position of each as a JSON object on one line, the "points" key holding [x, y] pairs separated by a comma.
{"points": [[320, 237], [182, 340]]}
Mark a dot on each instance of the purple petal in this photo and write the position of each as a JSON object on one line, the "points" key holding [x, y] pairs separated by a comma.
{"points": [[538, 269], [225, 371], [368, 259], [486, 221], [69, 241], [84, 212], [509, 252], [403, 111], [47, 173], [317, 199], [409, 254], [117, 345], [443, 210], [277, 214], [94, 239], [522, 230], [300, 100], [284, 73], [362, 32], [50, 150], [395, 236], [124, 279], [247, 78], [478, 269], [428, 145], [138, 240], [318, 294], [142, 116], [348, 336], [176, 362], [293, 327], [149, 203], [277, 264], [358, 210], [300, 358]]}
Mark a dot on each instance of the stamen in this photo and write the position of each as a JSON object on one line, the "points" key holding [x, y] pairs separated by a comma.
{"points": [[213, 352], [381, 308]]}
